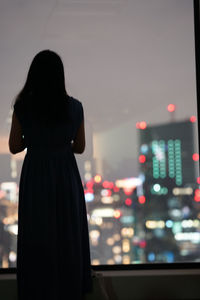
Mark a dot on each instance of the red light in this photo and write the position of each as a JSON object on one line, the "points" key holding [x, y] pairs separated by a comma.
{"points": [[89, 184], [197, 192], [128, 201], [143, 125], [197, 195], [142, 158], [142, 244], [89, 190], [115, 189], [138, 125], [142, 199], [111, 185], [128, 191], [106, 184], [171, 107], [97, 178], [198, 180], [193, 119], [195, 156]]}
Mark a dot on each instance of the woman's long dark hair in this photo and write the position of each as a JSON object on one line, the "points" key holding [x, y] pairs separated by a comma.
{"points": [[44, 96]]}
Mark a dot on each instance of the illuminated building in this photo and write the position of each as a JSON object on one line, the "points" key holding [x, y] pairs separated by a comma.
{"points": [[169, 164]]}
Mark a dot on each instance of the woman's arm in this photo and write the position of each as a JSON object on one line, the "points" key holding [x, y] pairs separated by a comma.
{"points": [[78, 145], [16, 141]]}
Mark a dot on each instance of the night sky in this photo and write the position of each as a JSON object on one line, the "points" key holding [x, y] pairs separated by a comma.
{"points": [[125, 60]]}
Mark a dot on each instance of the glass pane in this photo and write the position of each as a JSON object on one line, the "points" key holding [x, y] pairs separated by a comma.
{"points": [[132, 65]]}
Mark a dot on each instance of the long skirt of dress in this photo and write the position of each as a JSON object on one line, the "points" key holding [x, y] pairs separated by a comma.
{"points": [[53, 255]]}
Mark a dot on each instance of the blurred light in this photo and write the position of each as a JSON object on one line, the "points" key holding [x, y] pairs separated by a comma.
{"points": [[12, 256], [141, 178], [87, 165], [182, 191], [142, 244], [97, 178], [187, 223], [116, 249], [110, 241], [126, 260], [152, 224], [125, 245], [87, 176], [169, 223], [10, 188], [185, 211], [117, 213], [176, 227], [143, 125], [130, 182], [188, 236], [115, 189], [89, 197], [2, 194], [103, 212], [138, 125], [95, 262], [128, 191], [106, 184], [141, 199], [89, 184], [116, 197], [89, 190], [144, 148], [111, 185], [127, 219], [151, 256], [142, 158], [156, 187], [110, 261], [13, 229], [169, 255], [197, 195], [193, 119], [128, 201], [171, 107], [107, 200], [160, 224], [96, 220], [196, 223], [118, 258], [195, 156], [94, 236], [176, 213], [198, 180], [106, 192], [117, 237], [127, 231]]}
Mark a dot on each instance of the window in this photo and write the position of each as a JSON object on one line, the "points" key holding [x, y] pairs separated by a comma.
{"points": [[132, 65]]}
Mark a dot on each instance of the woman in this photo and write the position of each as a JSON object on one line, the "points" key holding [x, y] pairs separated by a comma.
{"points": [[53, 254]]}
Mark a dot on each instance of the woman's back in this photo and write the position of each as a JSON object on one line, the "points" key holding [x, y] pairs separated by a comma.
{"points": [[53, 254], [39, 134]]}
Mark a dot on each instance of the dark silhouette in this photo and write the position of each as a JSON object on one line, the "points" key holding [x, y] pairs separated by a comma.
{"points": [[53, 254]]}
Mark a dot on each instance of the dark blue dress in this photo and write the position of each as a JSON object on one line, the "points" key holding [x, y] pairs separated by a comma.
{"points": [[53, 253]]}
